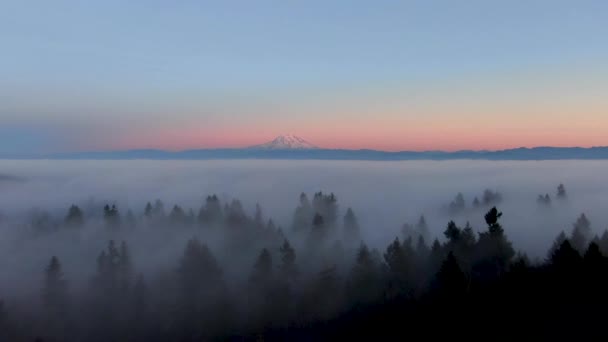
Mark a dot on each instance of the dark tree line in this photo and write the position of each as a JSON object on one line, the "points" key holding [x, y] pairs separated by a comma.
{"points": [[298, 287]]}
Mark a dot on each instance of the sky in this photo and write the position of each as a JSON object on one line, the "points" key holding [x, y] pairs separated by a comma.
{"points": [[389, 75]]}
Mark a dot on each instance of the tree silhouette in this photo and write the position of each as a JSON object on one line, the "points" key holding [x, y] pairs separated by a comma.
{"points": [[159, 209], [451, 280], [319, 229], [54, 293], [111, 216], [399, 266], [288, 267], [258, 219], [148, 210], [178, 215], [458, 205], [544, 201], [561, 237], [581, 233], [494, 250], [452, 232], [476, 203], [561, 192], [75, 217], [303, 215], [200, 282], [140, 304], [491, 197], [125, 267], [565, 256], [422, 228], [422, 249], [364, 279], [593, 258], [262, 269], [604, 243], [436, 257], [198, 268], [211, 212], [351, 226]]}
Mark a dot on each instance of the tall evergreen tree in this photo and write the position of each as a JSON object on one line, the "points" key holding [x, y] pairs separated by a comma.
{"points": [[111, 216], [351, 228], [399, 267], [422, 249], [561, 237], [159, 209], [494, 250], [75, 217], [326, 206], [54, 293], [451, 280], [303, 215], [125, 267], [491, 197], [288, 267], [604, 243], [199, 276], [148, 210], [178, 215], [140, 304], [458, 205], [422, 228], [452, 232], [262, 269], [108, 269], [436, 257], [319, 229], [581, 233], [365, 278], [561, 192], [565, 259], [476, 203], [211, 212], [258, 219]]}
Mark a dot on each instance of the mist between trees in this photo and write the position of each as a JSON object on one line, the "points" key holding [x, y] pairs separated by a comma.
{"points": [[168, 273]]}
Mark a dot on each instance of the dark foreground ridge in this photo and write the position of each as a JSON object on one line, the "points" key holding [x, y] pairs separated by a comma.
{"points": [[536, 153]]}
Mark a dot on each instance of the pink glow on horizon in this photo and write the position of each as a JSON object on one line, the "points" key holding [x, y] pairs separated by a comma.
{"points": [[394, 138]]}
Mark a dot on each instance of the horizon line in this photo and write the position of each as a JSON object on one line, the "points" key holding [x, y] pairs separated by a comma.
{"points": [[281, 152]]}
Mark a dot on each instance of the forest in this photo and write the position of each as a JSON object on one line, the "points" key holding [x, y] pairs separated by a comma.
{"points": [[240, 276]]}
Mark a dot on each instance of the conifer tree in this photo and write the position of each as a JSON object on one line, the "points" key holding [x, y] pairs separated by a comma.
{"points": [[55, 288], [258, 219], [148, 210], [125, 268], [262, 269], [288, 267], [565, 258], [561, 192], [75, 217], [581, 233], [351, 226], [303, 215], [494, 250], [399, 266], [452, 281], [364, 279]]}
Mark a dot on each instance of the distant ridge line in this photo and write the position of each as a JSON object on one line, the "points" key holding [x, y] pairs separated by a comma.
{"points": [[522, 153]]}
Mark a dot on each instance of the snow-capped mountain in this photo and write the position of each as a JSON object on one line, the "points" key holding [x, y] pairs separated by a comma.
{"points": [[286, 142]]}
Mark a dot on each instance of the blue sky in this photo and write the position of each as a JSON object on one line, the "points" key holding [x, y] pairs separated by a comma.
{"points": [[124, 74]]}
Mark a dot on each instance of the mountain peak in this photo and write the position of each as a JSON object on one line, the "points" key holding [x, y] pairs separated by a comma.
{"points": [[286, 142]]}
